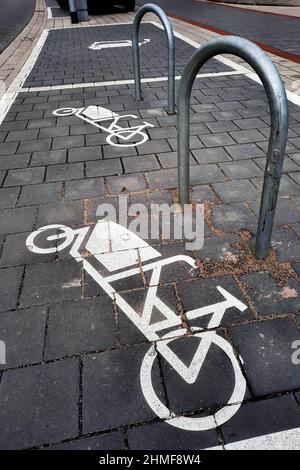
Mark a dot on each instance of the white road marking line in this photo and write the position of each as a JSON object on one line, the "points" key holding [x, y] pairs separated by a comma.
{"points": [[282, 440], [121, 82], [49, 12], [9, 97]]}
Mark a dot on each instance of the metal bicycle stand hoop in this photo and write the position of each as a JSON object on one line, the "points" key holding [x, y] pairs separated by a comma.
{"points": [[150, 7], [276, 94]]}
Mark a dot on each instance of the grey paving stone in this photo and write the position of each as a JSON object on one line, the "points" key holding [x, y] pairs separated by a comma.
{"points": [[270, 298], [286, 211], [140, 163], [241, 151], [110, 441], [222, 126], [40, 194], [296, 177], [39, 123], [125, 183], [69, 171], [115, 376], [213, 385], [81, 326], [218, 249], [39, 404], [34, 146], [212, 155], [287, 185], [267, 354], [84, 188], [8, 197], [51, 282], [155, 197], [202, 194], [250, 123], [241, 169], [10, 280], [68, 142], [247, 136], [225, 115], [25, 176], [233, 218], [230, 105], [162, 179], [65, 212], [286, 244], [16, 253], [153, 146], [8, 148], [84, 153], [17, 220], [202, 292], [162, 436], [129, 333], [20, 330], [296, 229], [16, 136], [236, 191], [54, 132], [9, 162], [217, 140], [203, 174], [169, 160], [263, 417], [162, 133], [104, 168], [115, 152], [51, 157], [96, 139]]}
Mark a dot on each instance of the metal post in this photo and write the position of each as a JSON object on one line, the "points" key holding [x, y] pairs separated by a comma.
{"points": [[150, 7], [276, 94]]}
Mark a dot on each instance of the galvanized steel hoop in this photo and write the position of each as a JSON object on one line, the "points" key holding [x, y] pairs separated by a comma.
{"points": [[276, 94], [150, 7]]}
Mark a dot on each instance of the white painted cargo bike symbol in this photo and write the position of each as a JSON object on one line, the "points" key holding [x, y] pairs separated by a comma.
{"points": [[98, 45], [117, 136], [118, 252]]}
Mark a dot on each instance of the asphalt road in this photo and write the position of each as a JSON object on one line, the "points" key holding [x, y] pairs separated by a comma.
{"points": [[278, 32], [14, 16]]}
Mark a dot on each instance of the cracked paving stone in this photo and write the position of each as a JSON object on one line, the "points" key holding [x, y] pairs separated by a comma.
{"points": [[110, 441], [271, 298], [81, 326], [39, 404], [25, 176], [20, 330], [265, 348], [162, 436], [233, 218], [202, 292], [262, 418], [10, 280], [114, 377], [51, 282]]}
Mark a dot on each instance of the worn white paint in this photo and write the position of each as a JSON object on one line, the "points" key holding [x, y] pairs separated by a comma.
{"points": [[117, 248], [282, 440], [96, 114], [98, 45]]}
